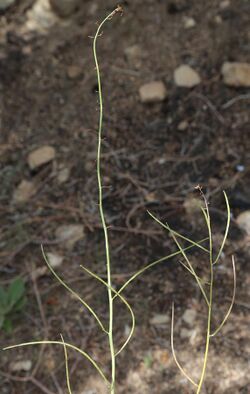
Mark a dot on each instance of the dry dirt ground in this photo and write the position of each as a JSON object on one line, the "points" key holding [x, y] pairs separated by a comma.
{"points": [[48, 88]]}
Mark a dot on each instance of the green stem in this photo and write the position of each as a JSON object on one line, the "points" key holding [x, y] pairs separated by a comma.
{"points": [[105, 230], [210, 305]]}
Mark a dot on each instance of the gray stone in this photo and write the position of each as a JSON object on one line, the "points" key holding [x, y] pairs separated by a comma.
{"points": [[55, 260], [63, 175], [159, 320], [153, 92], [243, 221], [41, 156], [186, 77], [4, 4], [236, 74], [133, 54], [64, 8], [74, 72], [69, 234], [22, 365], [24, 191], [189, 316], [182, 126], [189, 22], [225, 4]]}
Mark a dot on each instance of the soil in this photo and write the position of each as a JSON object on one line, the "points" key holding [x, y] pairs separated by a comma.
{"points": [[149, 162]]}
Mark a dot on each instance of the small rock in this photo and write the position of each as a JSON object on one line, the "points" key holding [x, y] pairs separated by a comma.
{"points": [[182, 126], [64, 8], [240, 168], [224, 4], [18, 366], [150, 197], [189, 316], [185, 333], [40, 17], [41, 156], [27, 50], [55, 260], [189, 22], [70, 234], [153, 92], [187, 77], [133, 54], [159, 320], [74, 72], [24, 191], [63, 175], [243, 221], [218, 19], [4, 4], [236, 74]]}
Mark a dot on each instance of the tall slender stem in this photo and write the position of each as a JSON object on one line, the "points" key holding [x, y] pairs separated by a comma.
{"points": [[104, 225], [210, 305]]}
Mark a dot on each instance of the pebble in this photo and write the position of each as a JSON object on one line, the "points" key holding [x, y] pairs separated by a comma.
{"points": [[159, 320], [243, 221], [70, 234], [133, 53], [153, 92], [24, 191], [189, 22], [41, 156], [40, 17], [189, 316], [225, 4], [55, 260], [24, 365], [218, 19], [4, 4], [236, 74], [185, 333], [74, 72], [64, 8], [63, 175], [185, 76], [182, 126]]}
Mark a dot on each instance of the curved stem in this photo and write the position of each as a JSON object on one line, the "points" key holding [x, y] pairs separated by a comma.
{"points": [[151, 265], [166, 226], [66, 366], [232, 302], [85, 304], [69, 345], [226, 230], [123, 300], [174, 354]]}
